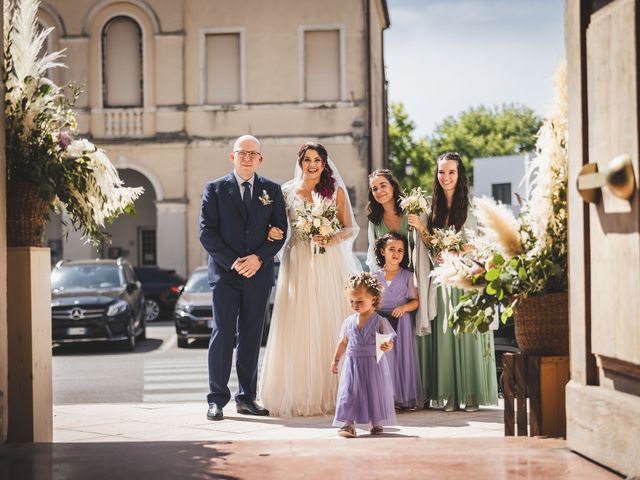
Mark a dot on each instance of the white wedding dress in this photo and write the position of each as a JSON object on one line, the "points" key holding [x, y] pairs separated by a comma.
{"points": [[310, 307]]}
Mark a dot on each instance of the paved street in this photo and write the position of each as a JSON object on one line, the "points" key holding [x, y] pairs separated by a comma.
{"points": [[158, 371]]}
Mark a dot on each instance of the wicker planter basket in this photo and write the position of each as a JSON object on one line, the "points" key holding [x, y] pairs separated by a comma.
{"points": [[26, 215], [542, 324]]}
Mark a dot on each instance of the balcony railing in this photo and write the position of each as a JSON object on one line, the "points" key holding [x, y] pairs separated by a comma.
{"points": [[123, 122]]}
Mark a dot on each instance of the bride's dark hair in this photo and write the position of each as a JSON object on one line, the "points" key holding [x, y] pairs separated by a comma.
{"points": [[327, 184]]}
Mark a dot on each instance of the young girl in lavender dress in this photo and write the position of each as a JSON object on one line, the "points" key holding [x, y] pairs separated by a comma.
{"points": [[365, 392], [399, 297]]}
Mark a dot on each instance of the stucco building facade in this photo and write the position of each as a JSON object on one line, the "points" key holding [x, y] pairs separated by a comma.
{"points": [[168, 86]]}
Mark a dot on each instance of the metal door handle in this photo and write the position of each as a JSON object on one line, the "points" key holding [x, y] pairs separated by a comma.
{"points": [[618, 176]]}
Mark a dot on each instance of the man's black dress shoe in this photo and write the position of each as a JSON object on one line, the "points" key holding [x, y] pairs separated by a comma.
{"points": [[214, 412], [251, 408]]}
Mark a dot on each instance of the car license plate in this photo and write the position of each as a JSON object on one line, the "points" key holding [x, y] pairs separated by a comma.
{"points": [[76, 331], [210, 323]]}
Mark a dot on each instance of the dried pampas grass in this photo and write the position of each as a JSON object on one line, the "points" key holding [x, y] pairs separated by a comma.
{"points": [[26, 42], [453, 272], [499, 226], [548, 168]]}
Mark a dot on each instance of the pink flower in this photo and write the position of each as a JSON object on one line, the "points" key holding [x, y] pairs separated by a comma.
{"points": [[64, 139]]}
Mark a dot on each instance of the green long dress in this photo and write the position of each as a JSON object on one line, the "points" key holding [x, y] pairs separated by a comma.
{"points": [[423, 343], [462, 368]]}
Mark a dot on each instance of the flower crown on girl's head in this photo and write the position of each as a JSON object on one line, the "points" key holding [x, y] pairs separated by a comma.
{"points": [[366, 281]]}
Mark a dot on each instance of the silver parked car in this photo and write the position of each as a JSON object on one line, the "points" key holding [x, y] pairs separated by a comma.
{"points": [[193, 312]]}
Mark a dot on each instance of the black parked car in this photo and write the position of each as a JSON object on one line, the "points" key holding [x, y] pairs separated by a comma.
{"points": [[96, 300], [161, 290]]}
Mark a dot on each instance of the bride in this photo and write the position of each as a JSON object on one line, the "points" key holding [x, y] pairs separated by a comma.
{"points": [[310, 303]]}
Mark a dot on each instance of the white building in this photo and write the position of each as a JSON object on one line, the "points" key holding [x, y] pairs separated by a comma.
{"points": [[502, 178]]}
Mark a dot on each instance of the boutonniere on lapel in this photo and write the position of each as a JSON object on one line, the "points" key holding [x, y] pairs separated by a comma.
{"points": [[265, 198]]}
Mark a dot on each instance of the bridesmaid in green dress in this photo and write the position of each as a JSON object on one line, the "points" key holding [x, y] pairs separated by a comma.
{"points": [[385, 215], [463, 368]]}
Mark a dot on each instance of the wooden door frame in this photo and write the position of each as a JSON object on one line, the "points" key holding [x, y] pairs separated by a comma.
{"points": [[583, 362]]}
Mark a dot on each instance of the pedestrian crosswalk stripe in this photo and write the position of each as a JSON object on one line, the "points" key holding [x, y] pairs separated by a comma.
{"points": [[177, 386], [175, 397], [175, 361], [176, 365], [181, 380], [174, 378], [172, 371]]}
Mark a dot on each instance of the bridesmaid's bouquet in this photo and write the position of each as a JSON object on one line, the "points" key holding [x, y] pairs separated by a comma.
{"points": [[318, 217], [446, 240], [415, 202]]}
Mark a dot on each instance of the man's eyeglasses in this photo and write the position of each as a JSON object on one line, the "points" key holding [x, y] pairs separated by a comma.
{"points": [[245, 153]]}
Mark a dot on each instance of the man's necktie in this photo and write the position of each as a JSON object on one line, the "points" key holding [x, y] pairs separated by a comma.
{"points": [[246, 196]]}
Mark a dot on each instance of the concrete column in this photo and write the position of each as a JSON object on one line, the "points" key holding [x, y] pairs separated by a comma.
{"points": [[29, 333], [171, 235]]}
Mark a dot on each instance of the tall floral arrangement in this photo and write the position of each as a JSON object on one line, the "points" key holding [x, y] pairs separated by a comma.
{"points": [[46, 166], [514, 257]]}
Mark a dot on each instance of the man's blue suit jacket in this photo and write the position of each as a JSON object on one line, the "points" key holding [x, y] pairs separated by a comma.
{"points": [[228, 231]]}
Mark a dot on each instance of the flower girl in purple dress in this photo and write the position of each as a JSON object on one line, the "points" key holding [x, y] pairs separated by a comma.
{"points": [[365, 392], [399, 298]]}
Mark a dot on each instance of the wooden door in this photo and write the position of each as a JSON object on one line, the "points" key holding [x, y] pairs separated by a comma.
{"points": [[603, 398]]}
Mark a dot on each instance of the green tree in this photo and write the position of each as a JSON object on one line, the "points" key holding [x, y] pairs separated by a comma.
{"points": [[477, 132], [486, 132], [405, 150]]}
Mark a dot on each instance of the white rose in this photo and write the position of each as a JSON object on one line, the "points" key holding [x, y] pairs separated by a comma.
{"points": [[325, 230], [317, 222], [78, 147]]}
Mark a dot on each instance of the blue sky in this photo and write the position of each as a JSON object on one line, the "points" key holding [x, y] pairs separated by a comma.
{"points": [[444, 56]]}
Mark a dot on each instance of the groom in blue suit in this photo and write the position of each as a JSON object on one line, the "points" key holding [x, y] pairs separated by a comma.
{"points": [[237, 212]]}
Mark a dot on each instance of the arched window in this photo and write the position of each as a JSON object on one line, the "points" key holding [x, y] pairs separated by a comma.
{"points": [[122, 63]]}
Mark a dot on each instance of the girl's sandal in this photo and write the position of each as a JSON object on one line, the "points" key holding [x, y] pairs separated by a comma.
{"points": [[348, 431], [376, 430]]}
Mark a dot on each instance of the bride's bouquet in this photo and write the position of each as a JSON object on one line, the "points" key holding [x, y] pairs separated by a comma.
{"points": [[446, 240], [318, 217], [415, 202]]}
